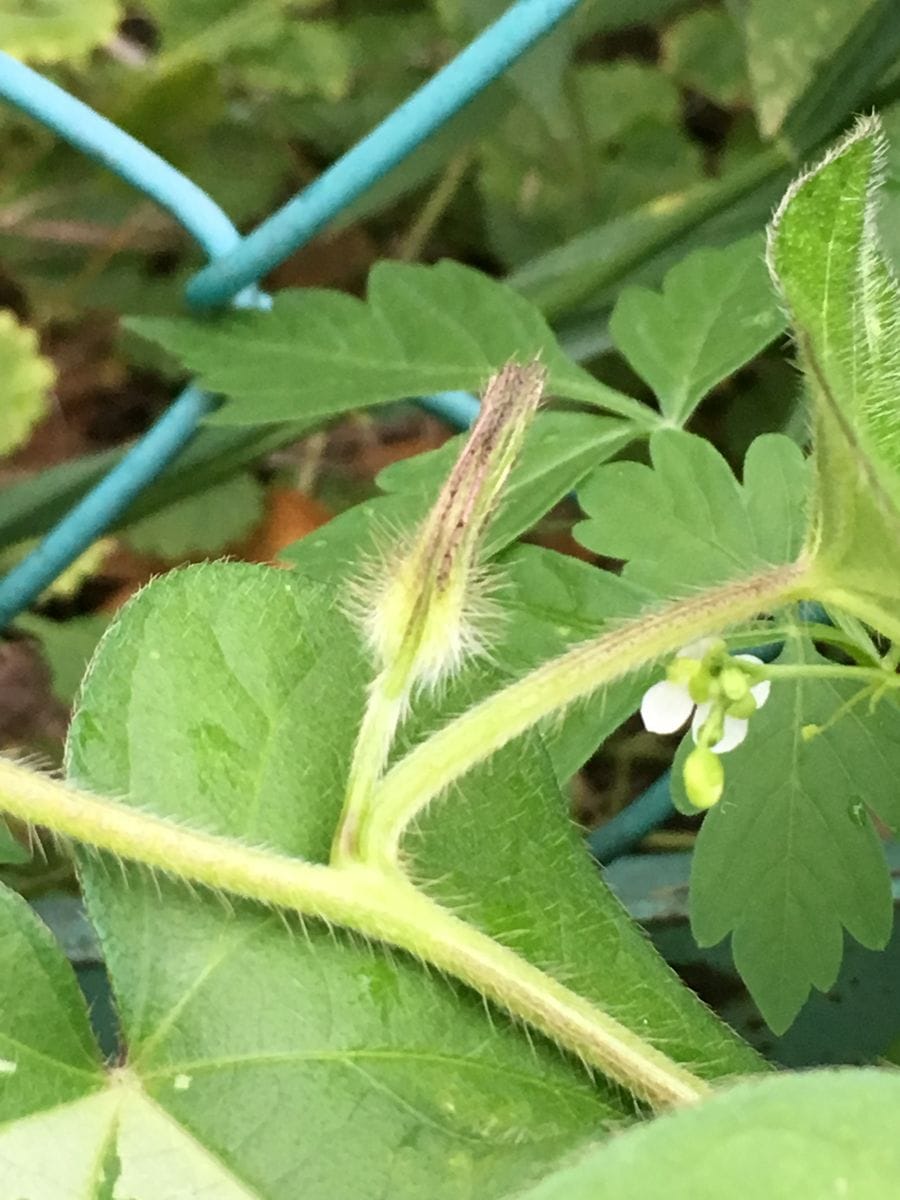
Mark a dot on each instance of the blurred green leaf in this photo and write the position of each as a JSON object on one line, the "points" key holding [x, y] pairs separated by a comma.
{"points": [[204, 523], [421, 330], [785, 43], [25, 380], [716, 311], [54, 30], [67, 647], [30, 508], [704, 51], [588, 270], [618, 144], [12, 852]]}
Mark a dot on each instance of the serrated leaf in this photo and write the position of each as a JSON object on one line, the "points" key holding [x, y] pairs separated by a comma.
{"points": [[703, 51], [25, 380], [845, 307], [717, 309], [686, 522], [421, 330], [817, 1134], [246, 1012], [788, 859], [55, 30], [201, 524]]}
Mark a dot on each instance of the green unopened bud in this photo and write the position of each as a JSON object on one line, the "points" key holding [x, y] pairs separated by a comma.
{"points": [[683, 670], [700, 688], [424, 622], [744, 708], [733, 683], [704, 777]]}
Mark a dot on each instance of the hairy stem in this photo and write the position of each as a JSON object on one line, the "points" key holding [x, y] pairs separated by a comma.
{"points": [[473, 737], [382, 905]]}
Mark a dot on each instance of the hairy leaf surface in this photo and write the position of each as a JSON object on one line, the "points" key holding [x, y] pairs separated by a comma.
{"points": [[227, 696]]}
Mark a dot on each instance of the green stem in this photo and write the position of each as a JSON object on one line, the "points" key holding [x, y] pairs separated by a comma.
{"points": [[383, 906], [473, 737], [435, 206], [384, 711], [828, 671]]}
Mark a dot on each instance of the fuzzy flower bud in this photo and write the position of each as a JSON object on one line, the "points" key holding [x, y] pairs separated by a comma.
{"points": [[421, 625]]}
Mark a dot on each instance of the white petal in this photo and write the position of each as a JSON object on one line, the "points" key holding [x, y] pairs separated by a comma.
{"points": [[734, 732], [665, 707], [696, 649], [760, 691]]}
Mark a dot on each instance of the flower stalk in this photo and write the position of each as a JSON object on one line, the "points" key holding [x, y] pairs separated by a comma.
{"points": [[423, 620]]}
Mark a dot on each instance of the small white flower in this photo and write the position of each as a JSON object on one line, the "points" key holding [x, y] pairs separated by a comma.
{"points": [[667, 706]]}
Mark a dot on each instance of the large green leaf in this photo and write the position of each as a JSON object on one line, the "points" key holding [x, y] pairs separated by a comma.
{"points": [[686, 522], [228, 696], [818, 1135], [422, 330], [845, 307], [789, 858], [717, 309]]}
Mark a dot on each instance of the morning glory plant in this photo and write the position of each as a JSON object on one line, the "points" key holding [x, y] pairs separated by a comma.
{"points": [[360, 817]]}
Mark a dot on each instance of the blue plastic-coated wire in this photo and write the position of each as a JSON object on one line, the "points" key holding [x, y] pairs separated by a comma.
{"points": [[103, 141], [456, 408], [387, 145], [627, 828], [99, 508]]}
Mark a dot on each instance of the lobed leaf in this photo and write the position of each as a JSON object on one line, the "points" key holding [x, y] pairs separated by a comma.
{"points": [[716, 311], [421, 330], [686, 522]]}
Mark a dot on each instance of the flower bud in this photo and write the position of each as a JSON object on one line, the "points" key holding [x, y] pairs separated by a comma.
{"points": [[422, 624], [704, 777]]}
